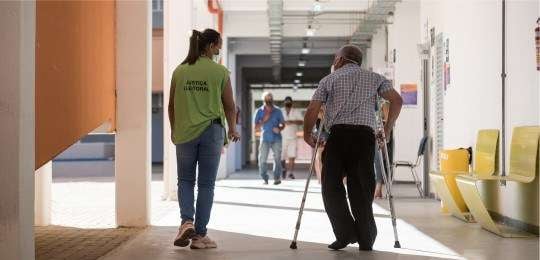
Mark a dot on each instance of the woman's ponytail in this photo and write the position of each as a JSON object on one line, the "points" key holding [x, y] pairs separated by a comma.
{"points": [[194, 51], [198, 43]]}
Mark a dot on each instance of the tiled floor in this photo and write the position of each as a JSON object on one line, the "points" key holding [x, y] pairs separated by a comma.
{"points": [[253, 221], [59, 243]]}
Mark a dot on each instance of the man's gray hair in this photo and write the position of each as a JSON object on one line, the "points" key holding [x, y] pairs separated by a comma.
{"points": [[351, 52], [265, 94]]}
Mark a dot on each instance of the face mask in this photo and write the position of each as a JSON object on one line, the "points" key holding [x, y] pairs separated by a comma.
{"points": [[288, 104], [332, 68]]}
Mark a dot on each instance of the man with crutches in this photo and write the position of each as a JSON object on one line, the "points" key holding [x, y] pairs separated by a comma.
{"points": [[350, 95]]}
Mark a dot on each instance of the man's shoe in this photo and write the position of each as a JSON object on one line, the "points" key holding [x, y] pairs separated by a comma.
{"points": [[366, 248], [199, 242], [185, 233], [277, 182], [337, 245], [292, 176], [265, 182]]}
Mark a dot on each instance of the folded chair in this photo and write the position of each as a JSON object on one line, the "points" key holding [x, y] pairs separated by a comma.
{"points": [[523, 169], [456, 162], [412, 165]]}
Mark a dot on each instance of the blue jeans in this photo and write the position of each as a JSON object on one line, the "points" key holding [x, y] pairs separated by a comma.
{"points": [[377, 160], [264, 149], [204, 150]]}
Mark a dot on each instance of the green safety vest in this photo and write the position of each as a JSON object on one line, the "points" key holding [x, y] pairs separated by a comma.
{"points": [[197, 98]]}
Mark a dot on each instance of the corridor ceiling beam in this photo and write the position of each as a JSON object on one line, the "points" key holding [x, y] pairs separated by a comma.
{"points": [[275, 22], [375, 17]]}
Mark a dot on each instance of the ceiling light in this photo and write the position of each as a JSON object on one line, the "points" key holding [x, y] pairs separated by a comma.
{"points": [[305, 50], [299, 74], [310, 31], [297, 81], [317, 7], [302, 63]]}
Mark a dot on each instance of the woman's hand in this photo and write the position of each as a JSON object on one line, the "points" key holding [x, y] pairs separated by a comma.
{"points": [[233, 135]]}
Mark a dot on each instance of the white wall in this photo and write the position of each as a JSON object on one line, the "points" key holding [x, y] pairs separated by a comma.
{"points": [[17, 124], [176, 32], [377, 51], [403, 35], [133, 105], [473, 101]]}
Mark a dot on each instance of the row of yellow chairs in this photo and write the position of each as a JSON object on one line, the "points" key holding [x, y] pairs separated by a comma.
{"points": [[459, 189]]}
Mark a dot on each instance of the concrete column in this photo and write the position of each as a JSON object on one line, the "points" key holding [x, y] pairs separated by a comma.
{"points": [[177, 26], [17, 81], [133, 87], [42, 203]]}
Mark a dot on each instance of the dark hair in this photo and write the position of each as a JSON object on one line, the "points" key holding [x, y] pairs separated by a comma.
{"points": [[288, 98], [198, 43]]}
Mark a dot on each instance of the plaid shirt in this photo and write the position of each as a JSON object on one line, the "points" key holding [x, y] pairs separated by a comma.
{"points": [[350, 95]]}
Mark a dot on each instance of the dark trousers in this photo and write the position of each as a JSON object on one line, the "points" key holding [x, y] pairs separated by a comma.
{"points": [[349, 153]]}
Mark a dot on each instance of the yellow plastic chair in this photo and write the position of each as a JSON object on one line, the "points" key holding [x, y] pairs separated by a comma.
{"points": [[456, 162], [524, 157]]}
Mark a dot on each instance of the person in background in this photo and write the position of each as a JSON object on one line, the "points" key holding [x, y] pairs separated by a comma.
{"points": [[201, 105], [269, 120], [379, 180], [293, 119]]}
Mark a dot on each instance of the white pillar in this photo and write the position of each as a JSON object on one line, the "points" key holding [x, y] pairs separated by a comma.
{"points": [[42, 203], [177, 26], [133, 124], [17, 77]]}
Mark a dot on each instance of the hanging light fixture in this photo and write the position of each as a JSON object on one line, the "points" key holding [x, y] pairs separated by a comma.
{"points": [[310, 32], [305, 49], [317, 7]]}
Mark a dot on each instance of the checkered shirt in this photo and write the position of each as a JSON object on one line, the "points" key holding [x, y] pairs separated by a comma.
{"points": [[350, 96]]}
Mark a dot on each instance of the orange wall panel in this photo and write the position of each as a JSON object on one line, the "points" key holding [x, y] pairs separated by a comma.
{"points": [[75, 72]]}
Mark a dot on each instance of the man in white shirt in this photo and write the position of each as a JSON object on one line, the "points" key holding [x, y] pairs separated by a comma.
{"points": [[293, 119]]}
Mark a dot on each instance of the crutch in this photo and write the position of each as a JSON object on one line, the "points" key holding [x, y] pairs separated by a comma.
{"points": [[383, 150], [311, 169]]}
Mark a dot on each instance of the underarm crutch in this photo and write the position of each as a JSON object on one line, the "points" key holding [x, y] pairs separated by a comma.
{"points": [[382, 150], [311, 169]]}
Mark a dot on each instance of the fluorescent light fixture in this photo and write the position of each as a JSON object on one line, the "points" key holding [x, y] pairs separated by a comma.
{"points": [[305, 50], [302, 63], [296, 81], [299, 74]]}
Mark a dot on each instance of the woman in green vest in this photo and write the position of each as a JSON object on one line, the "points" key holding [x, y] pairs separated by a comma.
{"points": [[201, 106]]}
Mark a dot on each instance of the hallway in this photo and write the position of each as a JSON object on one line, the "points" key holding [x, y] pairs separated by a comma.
{"points": [[252, 221]]}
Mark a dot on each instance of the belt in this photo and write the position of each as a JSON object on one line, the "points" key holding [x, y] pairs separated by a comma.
{"points": [[216, 121], [351, 127]]}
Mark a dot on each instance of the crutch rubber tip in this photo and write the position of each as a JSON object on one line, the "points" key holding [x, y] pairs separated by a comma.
{"points": [[397, 245], [293, 245]]}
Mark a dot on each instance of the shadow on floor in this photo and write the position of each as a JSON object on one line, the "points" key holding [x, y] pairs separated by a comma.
{"points": [[156, 243]]}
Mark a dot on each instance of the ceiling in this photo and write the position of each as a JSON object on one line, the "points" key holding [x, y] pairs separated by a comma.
{"points": [[315, 26]]}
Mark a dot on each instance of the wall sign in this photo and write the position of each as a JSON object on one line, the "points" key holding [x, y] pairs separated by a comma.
{"points": [[409, 93]]}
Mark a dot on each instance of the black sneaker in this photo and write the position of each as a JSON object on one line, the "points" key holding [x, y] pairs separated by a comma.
{"points": [[277, 182], [292, 176], [265, 182]]}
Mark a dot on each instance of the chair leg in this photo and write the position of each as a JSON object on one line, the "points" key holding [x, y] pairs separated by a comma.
{"points": [[417, 182]]}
